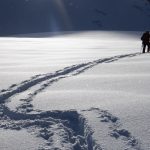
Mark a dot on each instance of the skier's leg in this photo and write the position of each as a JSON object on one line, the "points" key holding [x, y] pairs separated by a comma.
{"points": [[148, 47], [144, 46]]}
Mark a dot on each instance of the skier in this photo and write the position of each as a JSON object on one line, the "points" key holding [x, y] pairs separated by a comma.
{"points": [[146, 41]]}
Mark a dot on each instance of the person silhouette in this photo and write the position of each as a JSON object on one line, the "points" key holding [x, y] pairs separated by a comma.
{"points": [[146, 41]]}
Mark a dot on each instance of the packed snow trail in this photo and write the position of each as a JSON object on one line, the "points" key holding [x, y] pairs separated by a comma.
{"points": [[108, 124], [63, 130], [71, 130], [54, 77]]}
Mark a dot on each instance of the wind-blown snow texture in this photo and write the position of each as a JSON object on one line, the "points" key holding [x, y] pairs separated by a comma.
{"points": [[30, 16], [90, 93]]}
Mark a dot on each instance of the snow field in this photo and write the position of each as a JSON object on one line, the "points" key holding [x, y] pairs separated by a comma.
{"points": [[91, 93]]}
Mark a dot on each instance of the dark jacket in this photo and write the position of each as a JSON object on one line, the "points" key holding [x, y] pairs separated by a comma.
{"points": [[146, 37]]}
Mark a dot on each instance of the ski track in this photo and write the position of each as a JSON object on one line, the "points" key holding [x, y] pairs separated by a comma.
{"points": [[54, 77], [61, 130], [115, 129]]}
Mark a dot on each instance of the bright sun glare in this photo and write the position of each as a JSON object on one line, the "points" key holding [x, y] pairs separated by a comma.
{"points": [[63, 14]]}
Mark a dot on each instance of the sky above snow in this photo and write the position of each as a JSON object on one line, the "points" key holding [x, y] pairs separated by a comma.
{"points": [[28, 16]]}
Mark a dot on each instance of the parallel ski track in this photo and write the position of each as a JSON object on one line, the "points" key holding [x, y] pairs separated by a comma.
{"points": [[56, 76], [70, 126]]}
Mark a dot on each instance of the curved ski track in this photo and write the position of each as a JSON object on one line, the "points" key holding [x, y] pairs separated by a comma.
{"points": [[71, 127]]}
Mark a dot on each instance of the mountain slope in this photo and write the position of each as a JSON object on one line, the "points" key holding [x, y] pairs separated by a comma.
{"points": [[27, 16]]}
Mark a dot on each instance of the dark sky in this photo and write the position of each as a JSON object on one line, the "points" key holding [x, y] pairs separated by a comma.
{"points": [[31, 16], [25, 16]]}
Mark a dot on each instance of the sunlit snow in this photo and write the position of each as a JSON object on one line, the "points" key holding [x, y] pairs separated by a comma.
{"points": [[74, 91]]}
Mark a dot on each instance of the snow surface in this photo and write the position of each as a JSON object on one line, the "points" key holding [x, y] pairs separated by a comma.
{"points": [[78, 91]]}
